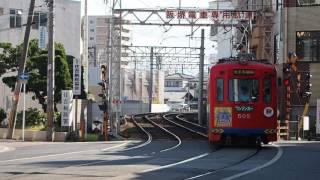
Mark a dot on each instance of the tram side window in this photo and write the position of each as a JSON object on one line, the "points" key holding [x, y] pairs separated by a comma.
{"points": [[219, 89], [267, 91]]}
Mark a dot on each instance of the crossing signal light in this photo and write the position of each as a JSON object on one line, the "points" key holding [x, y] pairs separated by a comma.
{"points": [[286, 82]]}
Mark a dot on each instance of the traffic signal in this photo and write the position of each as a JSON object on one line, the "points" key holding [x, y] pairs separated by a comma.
{"points": [[286, 74], [103, 106], [286, 68], [306, 93], [103, 75]]}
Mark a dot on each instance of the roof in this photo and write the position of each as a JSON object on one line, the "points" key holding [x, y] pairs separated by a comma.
{"points": [[174, 96], [178, 76]]}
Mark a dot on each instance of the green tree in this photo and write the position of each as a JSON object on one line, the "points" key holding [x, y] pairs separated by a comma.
{"points": [[37, 68], [3, 115], [8, 57]]}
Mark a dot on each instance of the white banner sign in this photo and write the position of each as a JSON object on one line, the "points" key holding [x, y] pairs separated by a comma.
{"points": [[306, 123], [66, 112], [318, 116], [76, 77], [214, 15]]}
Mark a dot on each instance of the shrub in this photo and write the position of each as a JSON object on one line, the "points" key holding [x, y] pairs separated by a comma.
{"points": [[3, 115], [34, 117]]}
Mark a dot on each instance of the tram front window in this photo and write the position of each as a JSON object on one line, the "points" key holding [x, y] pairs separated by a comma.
{"points": [[243, 90]]}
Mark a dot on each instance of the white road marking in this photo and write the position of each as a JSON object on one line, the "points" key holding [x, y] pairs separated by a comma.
{"points": [[272, 161], [177, 163], [113, 147], [195, 177], [61, 154], [4, 149]]}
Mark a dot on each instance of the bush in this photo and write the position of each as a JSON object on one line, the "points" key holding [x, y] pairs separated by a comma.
{"points": [[3, 115], [34, 117], [57, 120]]}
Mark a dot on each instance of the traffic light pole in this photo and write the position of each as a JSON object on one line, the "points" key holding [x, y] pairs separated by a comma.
{"points": [[200, 98], [22, 64], [151, 80]]}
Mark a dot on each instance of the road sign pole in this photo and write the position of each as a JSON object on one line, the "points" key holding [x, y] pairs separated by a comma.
{"points": [[24, 110]]}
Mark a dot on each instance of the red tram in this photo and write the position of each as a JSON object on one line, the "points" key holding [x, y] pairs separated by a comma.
{"points": [[242, 102]]}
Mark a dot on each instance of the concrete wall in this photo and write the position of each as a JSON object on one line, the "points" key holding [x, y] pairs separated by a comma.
{"points": [[33, 135], [134, 107]]}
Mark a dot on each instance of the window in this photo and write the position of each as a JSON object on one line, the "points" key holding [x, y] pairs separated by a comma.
{"points": [[219, 89], [91, 38], [243, 90], [15, 18], [39, 19], [91, 30], [267, 91], [308, 45], [308, 2]]}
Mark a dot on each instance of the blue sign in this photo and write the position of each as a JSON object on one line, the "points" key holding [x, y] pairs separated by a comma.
{"points": [[24, 77]]}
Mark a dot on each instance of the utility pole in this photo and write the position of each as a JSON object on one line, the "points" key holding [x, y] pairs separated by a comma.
{"points": [[50, 72], [201, 66], [22, 64], [115, 68], [151, 80]]}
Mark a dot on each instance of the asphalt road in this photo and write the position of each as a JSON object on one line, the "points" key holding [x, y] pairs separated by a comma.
{"points": [[131, 160]]}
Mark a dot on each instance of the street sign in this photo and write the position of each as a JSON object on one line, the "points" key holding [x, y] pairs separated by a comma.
{"points": [[24, 77]]}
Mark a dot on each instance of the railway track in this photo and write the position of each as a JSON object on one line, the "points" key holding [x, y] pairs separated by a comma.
{"points": [[152, 130], [190, 126], [207, 174], [168, 122]]}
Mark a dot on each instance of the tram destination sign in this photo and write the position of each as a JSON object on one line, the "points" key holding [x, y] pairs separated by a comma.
{"points": [[245, 72]]}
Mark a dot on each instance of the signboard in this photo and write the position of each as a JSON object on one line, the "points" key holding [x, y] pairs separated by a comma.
{"points": [[244, 72], [244, 108], [318, 117], [76, 77], [213, 14], [223, 117], [24, 78], [305, 123], [66, 112], [42, 37]]}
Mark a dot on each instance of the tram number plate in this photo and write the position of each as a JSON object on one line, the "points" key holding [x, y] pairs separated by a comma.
{"points": [[243, 116]]}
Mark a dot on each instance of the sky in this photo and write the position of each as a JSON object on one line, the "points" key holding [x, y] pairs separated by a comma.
{"points": [[158, 35]]}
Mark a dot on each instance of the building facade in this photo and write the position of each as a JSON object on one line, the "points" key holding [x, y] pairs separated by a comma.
{"points": [[67, 23], [301, 34], [13, 18]]}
